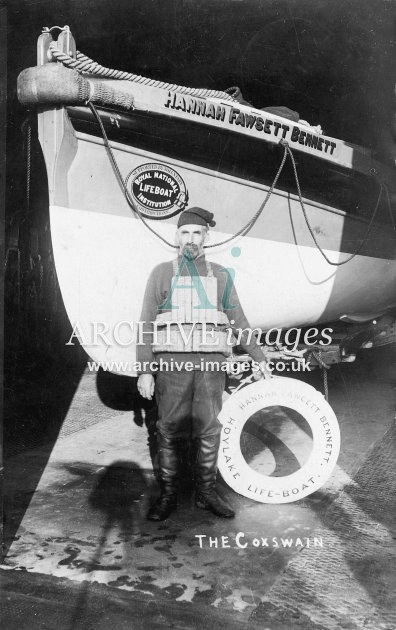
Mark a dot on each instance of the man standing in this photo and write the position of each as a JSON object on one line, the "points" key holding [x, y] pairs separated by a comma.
{"points": [[188, 309]]}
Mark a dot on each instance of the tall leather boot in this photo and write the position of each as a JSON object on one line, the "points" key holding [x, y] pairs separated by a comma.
{"points": [[186, 465], [168, 476], [206, 496], [150, 421]]}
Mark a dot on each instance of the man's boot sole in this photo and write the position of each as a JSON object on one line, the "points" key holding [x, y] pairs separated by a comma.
{"points": [[205, 506]]}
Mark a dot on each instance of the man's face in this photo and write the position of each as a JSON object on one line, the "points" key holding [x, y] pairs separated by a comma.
{"points": [[191, 239]]}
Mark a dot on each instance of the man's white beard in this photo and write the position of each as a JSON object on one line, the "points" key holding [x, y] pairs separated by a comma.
{"points": [[190, 250]]}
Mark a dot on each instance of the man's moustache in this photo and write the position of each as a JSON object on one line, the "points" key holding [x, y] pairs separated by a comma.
{"points": [[190, 250]]}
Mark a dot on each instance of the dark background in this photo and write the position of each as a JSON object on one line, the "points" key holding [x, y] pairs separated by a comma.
{"points": [[333, 62]]}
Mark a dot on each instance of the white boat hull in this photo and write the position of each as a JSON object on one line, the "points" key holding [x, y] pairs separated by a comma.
{"points": [[104, 254]]}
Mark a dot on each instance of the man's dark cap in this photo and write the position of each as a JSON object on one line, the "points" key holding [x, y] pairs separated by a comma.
{"points": [[197, 216]]}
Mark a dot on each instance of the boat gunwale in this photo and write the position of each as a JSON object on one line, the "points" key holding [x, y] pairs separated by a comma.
{"points": [[119, 145], [368, 167], [192, 167]]}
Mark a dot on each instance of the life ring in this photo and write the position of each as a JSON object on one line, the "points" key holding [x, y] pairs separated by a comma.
{"points": [[284, 392]]}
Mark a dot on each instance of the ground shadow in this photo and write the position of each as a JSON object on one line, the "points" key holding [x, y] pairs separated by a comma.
{"points": [[116, 498], [36, 405], [121, 393], [267, 426], [41, 373]]}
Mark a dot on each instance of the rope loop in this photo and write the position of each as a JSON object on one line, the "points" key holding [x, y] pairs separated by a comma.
{"points": [[121, 180], [248, 226], [312, 233], [244, 230]]}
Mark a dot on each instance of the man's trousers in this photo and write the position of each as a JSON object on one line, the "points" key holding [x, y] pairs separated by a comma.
{"points": [[189, 403]]}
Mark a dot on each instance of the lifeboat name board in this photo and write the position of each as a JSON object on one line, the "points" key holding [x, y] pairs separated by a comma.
{"points": [[230, 115]]}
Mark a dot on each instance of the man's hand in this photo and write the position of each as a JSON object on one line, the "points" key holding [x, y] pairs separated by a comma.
{"points": [[145, 385], [262, 372]]}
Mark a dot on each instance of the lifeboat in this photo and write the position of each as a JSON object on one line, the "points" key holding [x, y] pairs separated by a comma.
{"points": [[306, 222]]}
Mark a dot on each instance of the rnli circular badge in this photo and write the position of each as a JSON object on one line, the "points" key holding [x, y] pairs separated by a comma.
{"points": [[159, 191]]}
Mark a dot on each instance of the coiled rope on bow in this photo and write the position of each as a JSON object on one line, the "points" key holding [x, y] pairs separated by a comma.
{"points": [[85, 65]]}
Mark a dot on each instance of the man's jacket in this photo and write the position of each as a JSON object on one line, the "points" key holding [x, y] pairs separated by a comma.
{"points": [[157, 297]]}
